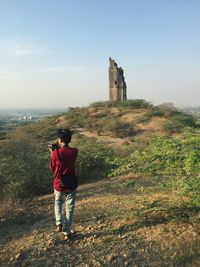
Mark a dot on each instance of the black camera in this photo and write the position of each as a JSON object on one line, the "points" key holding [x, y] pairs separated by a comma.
{"points": [[53, 146]]}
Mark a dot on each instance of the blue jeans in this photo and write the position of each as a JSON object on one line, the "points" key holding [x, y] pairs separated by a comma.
{"points": [[69, 198]]}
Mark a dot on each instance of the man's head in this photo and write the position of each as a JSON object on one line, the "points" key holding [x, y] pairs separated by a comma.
{"points": [[64, 135]]}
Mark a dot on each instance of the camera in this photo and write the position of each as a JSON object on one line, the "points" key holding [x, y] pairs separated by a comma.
{"points": [[53, 146]]}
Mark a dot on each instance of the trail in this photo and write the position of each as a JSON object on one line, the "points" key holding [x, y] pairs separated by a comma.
{"points": [[109, 140], [121, 221]]}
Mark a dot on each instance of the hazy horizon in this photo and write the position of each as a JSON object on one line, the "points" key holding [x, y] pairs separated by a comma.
{"points": [[65, 108], [22, 108], [57, 54]]}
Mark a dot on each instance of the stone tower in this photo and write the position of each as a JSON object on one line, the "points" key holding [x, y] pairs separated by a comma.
{"points": [[117, 84]]}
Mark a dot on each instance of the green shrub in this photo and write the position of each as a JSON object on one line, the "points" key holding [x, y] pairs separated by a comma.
{"points": [[93, 159], [171, 127], [185, 185], [155, 112], [2, 135], [131, 103], [123, 129], [135, 103], [77, 117], [178, 121], [118, 128], [24, 170], [182, 120], [99, 104], [162, 156]]}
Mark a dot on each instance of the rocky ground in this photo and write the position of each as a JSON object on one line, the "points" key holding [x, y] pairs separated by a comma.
{"points": [[122, 221]]}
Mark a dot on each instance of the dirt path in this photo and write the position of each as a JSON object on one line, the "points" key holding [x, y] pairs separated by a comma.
{"points": [[103, 138], [121, 221]]}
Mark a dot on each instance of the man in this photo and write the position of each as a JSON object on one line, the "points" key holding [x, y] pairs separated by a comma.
{"points": [[63, 160]]}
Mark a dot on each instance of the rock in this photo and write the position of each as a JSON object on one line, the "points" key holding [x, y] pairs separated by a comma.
{"points": [[50, 242], [194, 234], [96, 263], [111, 257], [18, 256], [129, 263], [174, 254]]}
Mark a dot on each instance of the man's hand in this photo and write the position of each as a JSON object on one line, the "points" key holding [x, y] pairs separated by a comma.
{"points": [[50, 150]]}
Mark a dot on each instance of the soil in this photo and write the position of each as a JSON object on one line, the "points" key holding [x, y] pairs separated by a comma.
{"points": [[121, 221]]}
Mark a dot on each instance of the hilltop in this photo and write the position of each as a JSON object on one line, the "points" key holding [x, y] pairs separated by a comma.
{"points": [[122, 119], [138, 199], [127, 119]]}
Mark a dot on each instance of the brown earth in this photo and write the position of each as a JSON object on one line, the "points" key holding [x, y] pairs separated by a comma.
{"points": [[121, 221], [145, 126]]}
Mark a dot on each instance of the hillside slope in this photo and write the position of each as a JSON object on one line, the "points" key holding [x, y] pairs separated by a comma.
{"points": [[127, 119], [146, 214], [121, 221]]}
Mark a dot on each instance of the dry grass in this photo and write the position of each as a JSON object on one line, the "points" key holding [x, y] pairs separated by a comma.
{"points": [[150, 127], [132, 117], [123, 221]]}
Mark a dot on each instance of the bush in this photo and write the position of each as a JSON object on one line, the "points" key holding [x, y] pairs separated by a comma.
{"points": [[156, 112], [24, 170], [99, 104], [93, 159], [131, 103], [170, 127], [135, 103], [183, 120], [120, 129], [189, 185], [2, 135], [77, 117], [178, 121], [162, 156]]}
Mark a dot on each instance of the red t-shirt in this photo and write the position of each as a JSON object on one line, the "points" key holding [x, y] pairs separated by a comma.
{"points": [[68, 156]]}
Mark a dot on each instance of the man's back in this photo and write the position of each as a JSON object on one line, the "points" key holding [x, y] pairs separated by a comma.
{"points": [[66, 165]]}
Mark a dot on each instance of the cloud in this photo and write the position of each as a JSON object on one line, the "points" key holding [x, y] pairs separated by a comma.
{"points": [[22, 52], [60, 69], [10, 75], [22, 49]]}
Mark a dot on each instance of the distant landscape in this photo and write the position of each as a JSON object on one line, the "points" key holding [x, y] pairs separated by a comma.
{"points": [[192, 110], [11, 118]]}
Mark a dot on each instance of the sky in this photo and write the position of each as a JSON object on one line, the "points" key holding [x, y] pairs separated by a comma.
{"points": [[55, 53]]}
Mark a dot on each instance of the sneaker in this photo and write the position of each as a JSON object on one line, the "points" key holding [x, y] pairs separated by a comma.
{"points": [[59, 228], [67, 237]]}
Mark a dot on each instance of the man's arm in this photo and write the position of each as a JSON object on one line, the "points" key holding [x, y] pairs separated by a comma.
{"points": [[53, 159]]}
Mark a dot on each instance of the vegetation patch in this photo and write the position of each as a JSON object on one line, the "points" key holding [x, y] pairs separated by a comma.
{"points": [[172, 159]]}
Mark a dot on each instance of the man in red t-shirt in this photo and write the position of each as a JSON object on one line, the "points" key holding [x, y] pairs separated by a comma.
{"points": [[63, 160]]}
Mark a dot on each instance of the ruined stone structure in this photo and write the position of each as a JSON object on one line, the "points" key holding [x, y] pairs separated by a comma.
{"points": [[117, 84]]}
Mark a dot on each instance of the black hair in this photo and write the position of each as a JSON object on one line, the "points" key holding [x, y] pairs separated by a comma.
{"points": [[65, 135]]}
